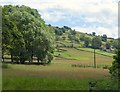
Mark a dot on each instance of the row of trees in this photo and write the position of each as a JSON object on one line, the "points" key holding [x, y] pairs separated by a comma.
{"points": [[25, 35], [95, 41], [115, 68]]}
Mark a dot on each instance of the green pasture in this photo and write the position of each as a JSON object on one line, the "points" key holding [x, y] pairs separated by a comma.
{"points": [[60, 74]]}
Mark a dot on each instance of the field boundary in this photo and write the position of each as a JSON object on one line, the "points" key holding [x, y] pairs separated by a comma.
{"points": [[93, 52]]}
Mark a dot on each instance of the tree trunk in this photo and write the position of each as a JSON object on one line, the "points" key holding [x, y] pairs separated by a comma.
{"points": [[38, 59], [32, 56], [11, 58], [3, 57]]}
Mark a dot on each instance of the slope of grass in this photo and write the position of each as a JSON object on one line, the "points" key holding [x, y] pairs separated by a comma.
{"points": [[97, 51]]}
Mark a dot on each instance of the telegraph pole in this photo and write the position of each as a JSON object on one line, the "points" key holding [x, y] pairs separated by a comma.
{"points": [[94, 59]]}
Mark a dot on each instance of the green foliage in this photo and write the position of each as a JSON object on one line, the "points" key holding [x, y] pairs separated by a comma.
{"points": [[66, 27], [93, 33], [116, 43], [107, 84], [4, 66], [71, 37], [104, 38], [25, 34], [87, 41], [96, 42], [82, 37], [73, 32], [58, 31], [115, 68], [107, 45]]}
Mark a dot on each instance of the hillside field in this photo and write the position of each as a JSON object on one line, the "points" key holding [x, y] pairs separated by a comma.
{"points": [[61, 74]]}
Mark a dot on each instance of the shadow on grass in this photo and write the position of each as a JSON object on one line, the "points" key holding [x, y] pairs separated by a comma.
{"points": [[4, 64]]}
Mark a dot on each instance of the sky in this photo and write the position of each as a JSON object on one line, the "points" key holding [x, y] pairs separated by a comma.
{"points": [[100, 16]]}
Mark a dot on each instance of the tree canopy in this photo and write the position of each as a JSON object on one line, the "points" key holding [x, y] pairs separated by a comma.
{"points": [[96, 42], [25, 34]]}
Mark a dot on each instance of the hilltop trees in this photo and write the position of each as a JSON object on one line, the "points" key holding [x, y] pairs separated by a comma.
{"points": [[87, 41], [25, 35], [82, 37], [58, 31], [73, 32], [96, 42], [104, 38], [93, 33]]}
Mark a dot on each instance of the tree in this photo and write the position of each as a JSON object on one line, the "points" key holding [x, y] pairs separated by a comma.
{"points": [[58, 31], [87, 41], [104, 38], [73, 32], [82, 37], [71, 37], [115, 68], [96, 42], [64, 38], [93, 33], [25, 34], [66, 27], [107, 45], [12, 39], [115, 43], [76, 40], [6, 35]]}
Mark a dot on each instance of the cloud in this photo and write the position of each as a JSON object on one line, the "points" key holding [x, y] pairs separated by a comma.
{"points": [[99, 30], [98, 15]]}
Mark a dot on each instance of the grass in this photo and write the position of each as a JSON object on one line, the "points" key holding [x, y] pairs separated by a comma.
{"points": [[75, 56], [97, 52], [59, 75], [33, 77], [37, 83], [52, 77], [5, 66]]}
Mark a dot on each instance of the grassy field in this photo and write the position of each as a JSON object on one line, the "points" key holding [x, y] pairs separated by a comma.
{"points": [[74, 56], [54, 76], [97, 51], [60, 74]]}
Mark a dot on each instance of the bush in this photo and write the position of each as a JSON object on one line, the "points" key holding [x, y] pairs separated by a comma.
{"points": [[105, 67], [107, 84], [115, 68]]}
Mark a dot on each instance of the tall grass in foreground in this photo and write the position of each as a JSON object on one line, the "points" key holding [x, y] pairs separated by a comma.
{"points": [[37, 83]]}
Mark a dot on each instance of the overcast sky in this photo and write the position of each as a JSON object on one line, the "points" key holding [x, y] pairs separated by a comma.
{"points": [[100, 16]]}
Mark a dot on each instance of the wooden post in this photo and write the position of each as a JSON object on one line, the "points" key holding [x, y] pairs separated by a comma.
{"points": [[11, 58], [94, 59]]}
